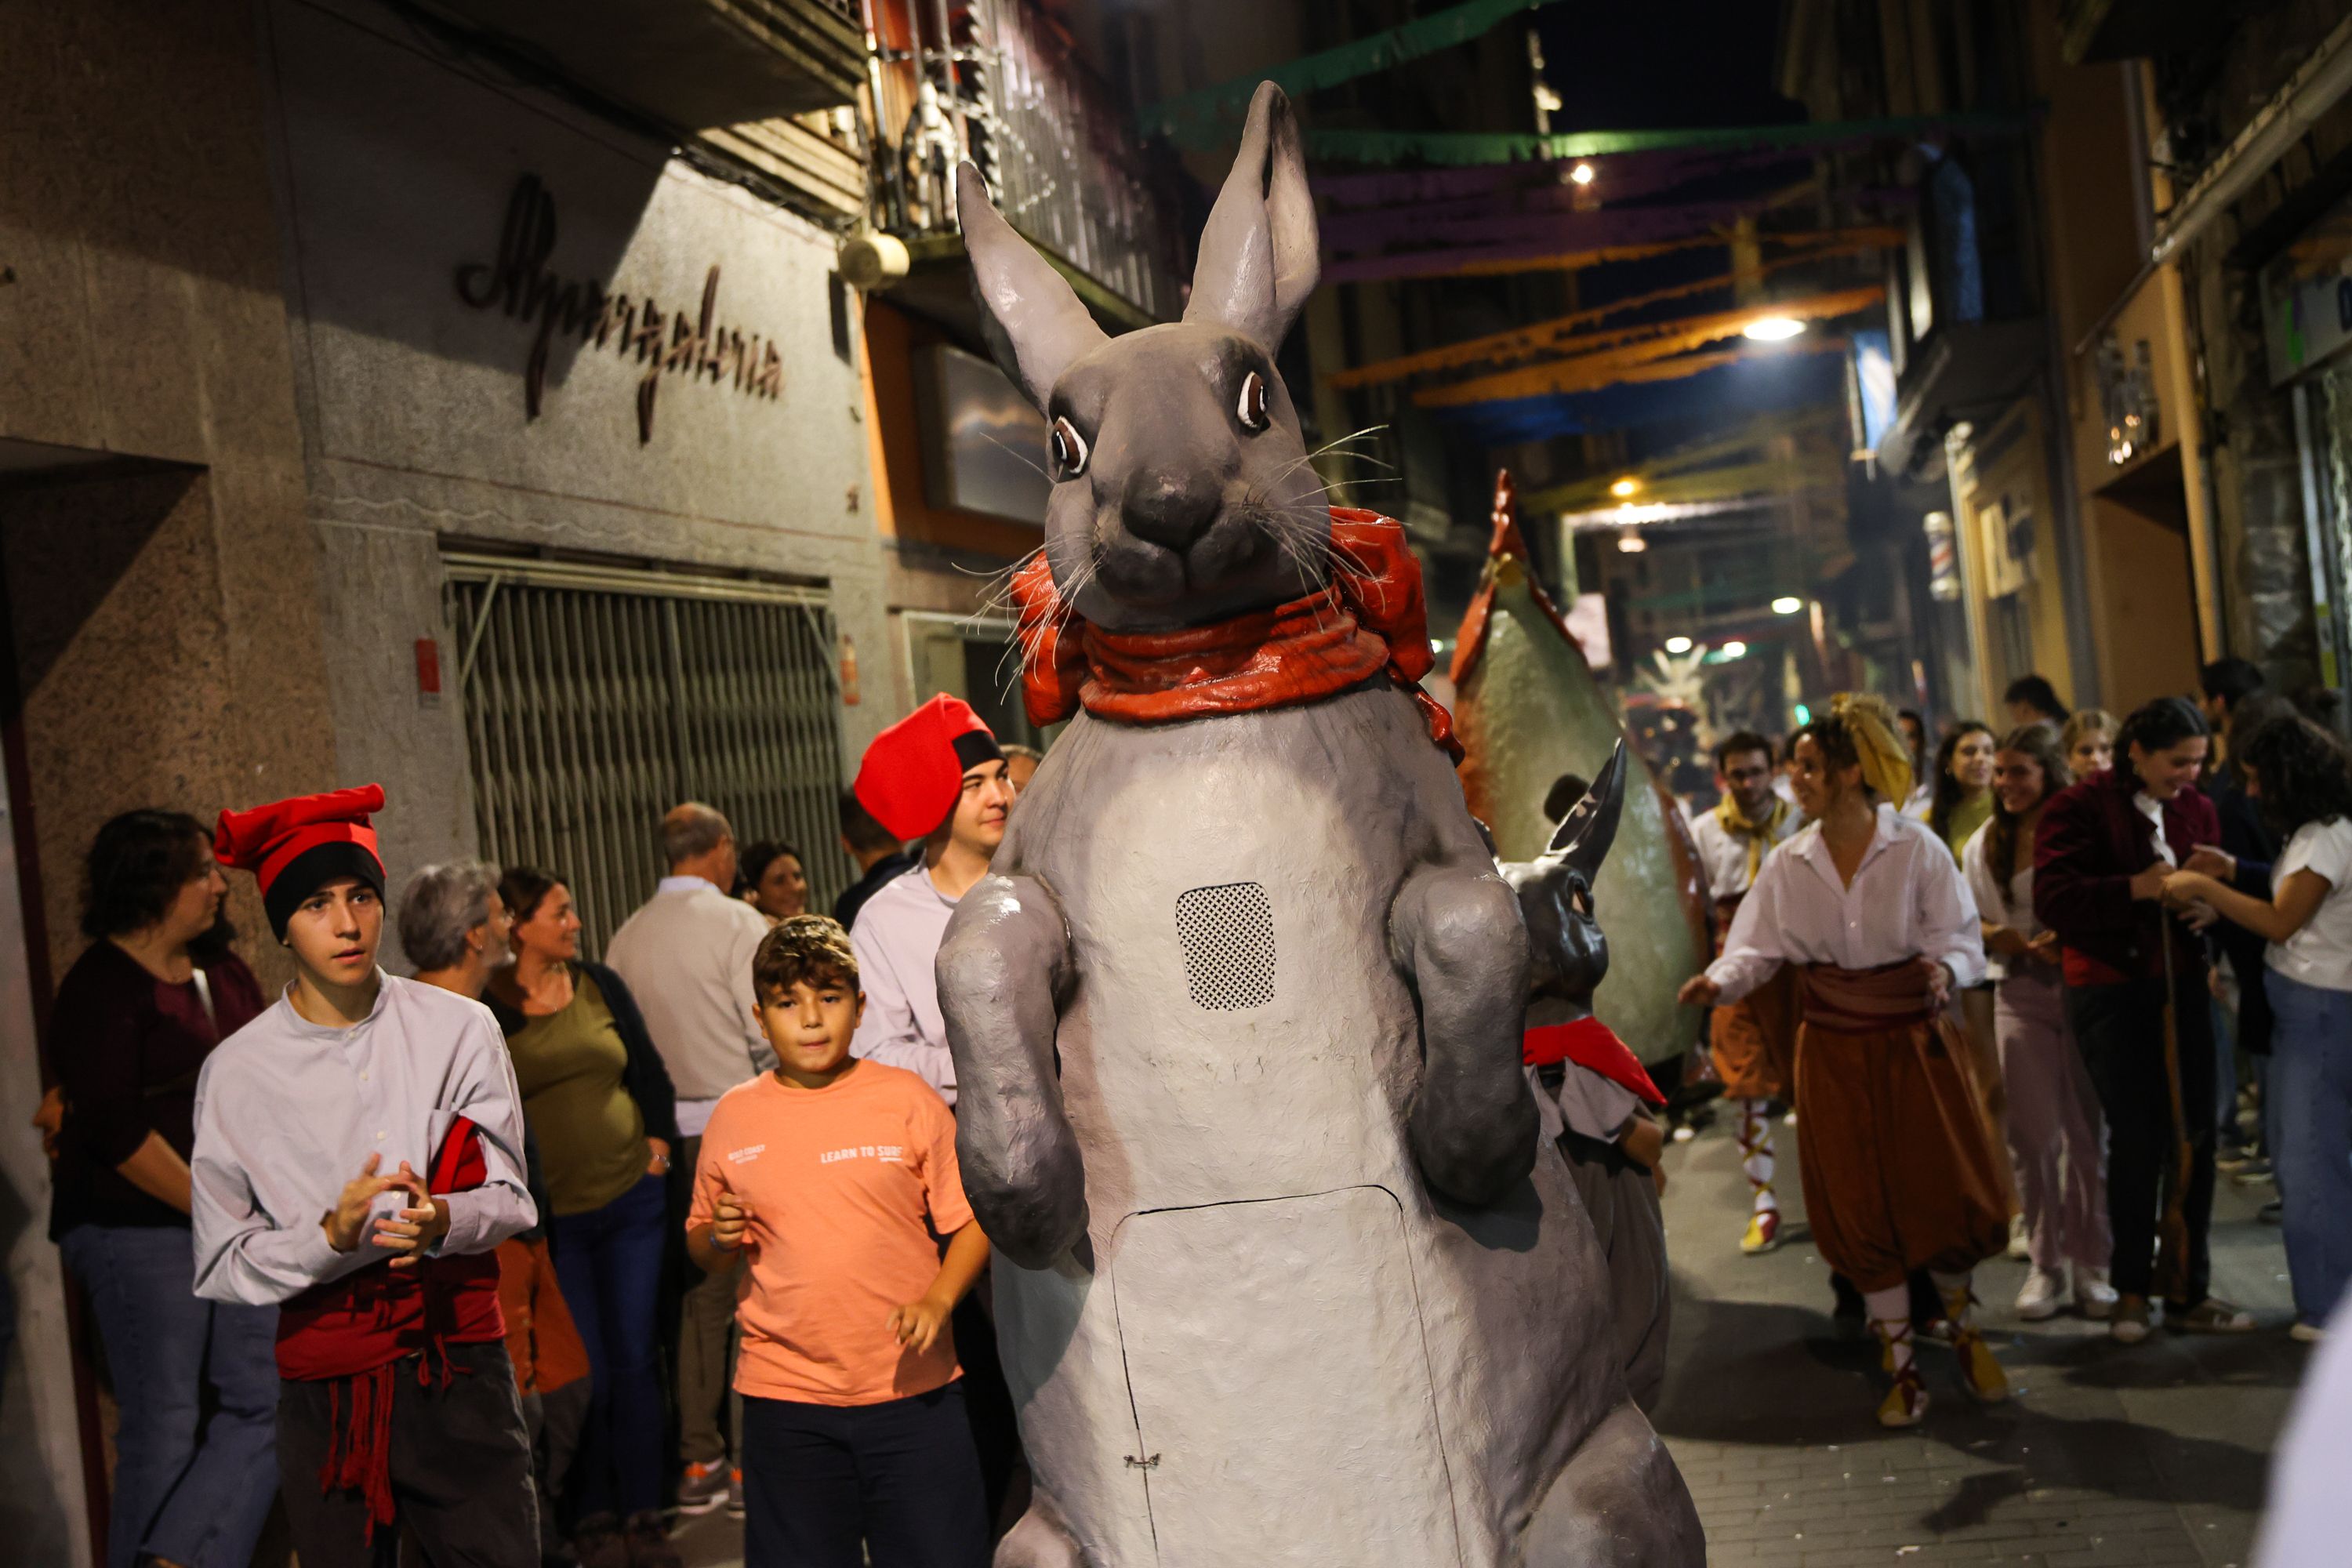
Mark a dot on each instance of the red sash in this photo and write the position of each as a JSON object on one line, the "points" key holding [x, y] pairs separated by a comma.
{"points": [[352, 1333]]}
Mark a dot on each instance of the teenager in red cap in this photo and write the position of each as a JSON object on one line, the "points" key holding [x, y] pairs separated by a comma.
{"points": [[359, 1156], [937, 776]]}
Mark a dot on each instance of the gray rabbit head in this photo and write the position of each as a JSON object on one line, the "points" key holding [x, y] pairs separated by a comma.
{"points": [[1182, 491], [1569, 950]]}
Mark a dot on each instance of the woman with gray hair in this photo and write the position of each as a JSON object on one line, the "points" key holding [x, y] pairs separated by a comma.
{"points": [[454, 927]]}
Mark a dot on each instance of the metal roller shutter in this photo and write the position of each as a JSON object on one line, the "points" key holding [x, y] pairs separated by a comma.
{"points": [[597, 698]]}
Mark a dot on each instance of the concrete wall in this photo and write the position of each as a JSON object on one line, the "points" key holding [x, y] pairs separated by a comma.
{"points": [[162, 600], [395, 171]]}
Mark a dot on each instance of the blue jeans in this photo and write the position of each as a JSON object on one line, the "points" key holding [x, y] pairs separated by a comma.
{"points": [[609, 1262], [2311, 1076], [196, 1493]]}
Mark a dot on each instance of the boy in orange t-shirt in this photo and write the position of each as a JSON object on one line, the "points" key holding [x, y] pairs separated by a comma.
{"points": [[837, 1178]]}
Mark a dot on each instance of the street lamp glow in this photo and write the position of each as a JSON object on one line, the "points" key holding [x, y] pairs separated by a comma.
{"points": [[1787, 604], [1581, 173], [1735, 649], [1772, 329], [1625, 487], [1632, 544], [1678, 645]]}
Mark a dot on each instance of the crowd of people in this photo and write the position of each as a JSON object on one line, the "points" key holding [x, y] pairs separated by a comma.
{"points": [[2033, 991], [675, 1231], [534, 1253]]}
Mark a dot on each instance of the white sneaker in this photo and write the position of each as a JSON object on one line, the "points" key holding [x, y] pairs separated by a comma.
{"points": [[2308, 1333], [2021, 1246], [2093, 1295], [2045, 1295]]}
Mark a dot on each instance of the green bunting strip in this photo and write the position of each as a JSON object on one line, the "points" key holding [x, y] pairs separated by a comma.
{"points": [[1206, 117], [1464, 147]]}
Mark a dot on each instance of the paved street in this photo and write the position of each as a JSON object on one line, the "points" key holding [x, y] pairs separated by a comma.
{"points": [[2152, 1458]]}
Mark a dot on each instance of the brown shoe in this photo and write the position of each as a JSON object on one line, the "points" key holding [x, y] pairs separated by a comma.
{"points": [[649, 1543], [2128, 1325], [598, 1544], [2211, 1316]]}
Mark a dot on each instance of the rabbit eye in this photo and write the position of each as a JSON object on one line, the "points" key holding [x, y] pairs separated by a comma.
{"points": [[1069, 450], [1252, 407]]}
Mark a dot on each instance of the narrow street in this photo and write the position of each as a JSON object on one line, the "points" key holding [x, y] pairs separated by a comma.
{"points": [[2152, 1458], [2149, 1457]]}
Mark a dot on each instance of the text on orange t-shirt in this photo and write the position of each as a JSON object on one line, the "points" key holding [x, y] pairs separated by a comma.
{"points": [[842, 1182]]}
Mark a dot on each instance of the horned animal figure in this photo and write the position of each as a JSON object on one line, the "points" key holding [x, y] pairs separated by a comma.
{"points": [[1589, 1086], [1286, 1274]]}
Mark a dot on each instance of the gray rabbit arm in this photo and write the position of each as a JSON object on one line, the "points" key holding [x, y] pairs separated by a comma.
{"points": [[1457, 934], [1003, 964]]}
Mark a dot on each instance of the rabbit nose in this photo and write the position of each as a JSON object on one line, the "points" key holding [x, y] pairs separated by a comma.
{"points": [[1170, 510]]}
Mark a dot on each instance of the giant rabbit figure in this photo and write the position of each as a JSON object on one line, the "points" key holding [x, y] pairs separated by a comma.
{"points": [[1285, 1276]]}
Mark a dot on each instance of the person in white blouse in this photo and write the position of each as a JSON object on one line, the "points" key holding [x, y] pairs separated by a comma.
{"points": [[1754, 1039], [1871, 905], [2302, 779], [2057, 1145]]}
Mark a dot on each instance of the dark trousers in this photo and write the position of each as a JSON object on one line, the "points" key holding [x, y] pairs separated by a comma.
{"points": [[988, 1399], [900, 1477], [610, 1263], [461, 1476], [2120, 1031]]}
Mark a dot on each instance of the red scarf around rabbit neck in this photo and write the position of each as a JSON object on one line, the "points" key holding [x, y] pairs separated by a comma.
{"points": [[1369, 618]]}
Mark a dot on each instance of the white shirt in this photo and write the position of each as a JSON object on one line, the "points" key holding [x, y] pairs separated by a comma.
{"points": [[2017, 914], [1906, 900], [1921, 803], [2152, 809], [686, 957], [288, 1110], [896, 939], [1723, 854], [2321, 953]]}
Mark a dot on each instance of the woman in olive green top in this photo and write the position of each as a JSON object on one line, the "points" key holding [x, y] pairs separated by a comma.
{"points": [[601, 1109]]}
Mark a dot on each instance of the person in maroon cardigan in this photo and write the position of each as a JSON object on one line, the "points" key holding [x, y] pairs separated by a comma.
{"points": [[155, 991], [2100, 859]]}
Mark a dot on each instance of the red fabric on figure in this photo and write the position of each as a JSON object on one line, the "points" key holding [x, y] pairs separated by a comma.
{"points": [[1370, 618], [913, 770], [1589, 1043]]}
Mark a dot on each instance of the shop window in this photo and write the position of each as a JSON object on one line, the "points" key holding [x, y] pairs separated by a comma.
{"points": [[974, 659], [597, 698]]}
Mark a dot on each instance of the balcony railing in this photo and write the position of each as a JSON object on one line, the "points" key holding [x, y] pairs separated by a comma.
{"points": [[1009, 89]]}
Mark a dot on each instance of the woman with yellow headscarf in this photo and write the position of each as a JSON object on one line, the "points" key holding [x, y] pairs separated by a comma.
{"points": [[1870, 906]]}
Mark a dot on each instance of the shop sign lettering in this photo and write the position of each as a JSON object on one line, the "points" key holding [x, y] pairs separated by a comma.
{"points": [[689, 344]]}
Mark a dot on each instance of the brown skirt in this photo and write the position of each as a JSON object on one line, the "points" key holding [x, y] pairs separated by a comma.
{"points": [[1891, 1145]]}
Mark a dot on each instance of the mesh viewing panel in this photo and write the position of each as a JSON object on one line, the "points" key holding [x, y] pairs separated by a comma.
{"points": [[1227, 932]]}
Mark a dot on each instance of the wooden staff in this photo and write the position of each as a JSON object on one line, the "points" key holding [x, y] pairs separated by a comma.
{"points": [[2172, 1253]]}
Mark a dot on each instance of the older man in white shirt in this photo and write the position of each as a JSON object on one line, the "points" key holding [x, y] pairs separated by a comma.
{"points": [[685, 956], [1897, 1172]]}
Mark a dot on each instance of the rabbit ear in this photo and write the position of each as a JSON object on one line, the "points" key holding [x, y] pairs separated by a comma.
{"points": [[1037, 315], [1259, 255]]}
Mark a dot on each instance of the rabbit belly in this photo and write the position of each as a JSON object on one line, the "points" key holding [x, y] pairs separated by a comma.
{"points": [[1270, 1301], [1289, 1418]]}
